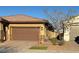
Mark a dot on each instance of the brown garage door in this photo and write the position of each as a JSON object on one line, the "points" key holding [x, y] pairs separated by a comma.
{"points": [[20, 33]]}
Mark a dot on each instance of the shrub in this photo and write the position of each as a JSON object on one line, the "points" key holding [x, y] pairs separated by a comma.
{"points": [[60, 42], [77, 39], [60, 39], [53, 40]]}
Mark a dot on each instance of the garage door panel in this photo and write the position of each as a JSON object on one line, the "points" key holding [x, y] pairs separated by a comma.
{"points": [[20, 33]]}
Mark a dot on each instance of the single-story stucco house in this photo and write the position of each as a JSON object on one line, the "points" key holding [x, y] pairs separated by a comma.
{"points": [[23, 27], [71, 29]]}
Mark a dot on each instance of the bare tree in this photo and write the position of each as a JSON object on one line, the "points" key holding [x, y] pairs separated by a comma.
{"points": [[57, 17]]}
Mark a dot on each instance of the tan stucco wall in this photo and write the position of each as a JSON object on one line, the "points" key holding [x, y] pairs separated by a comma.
{"points": [[42, 33], [74, 32], [51, 34], [1, 28]]}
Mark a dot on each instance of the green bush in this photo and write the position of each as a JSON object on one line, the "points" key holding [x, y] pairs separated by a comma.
{"points": [[56, 41], [53, 40], [60, 42], [39, 47]]}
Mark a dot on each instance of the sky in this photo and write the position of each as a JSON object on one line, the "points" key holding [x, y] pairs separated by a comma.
{"points": [[34, 11]]}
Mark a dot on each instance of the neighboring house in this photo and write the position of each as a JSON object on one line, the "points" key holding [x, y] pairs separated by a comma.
{"points": [[71, 29], [22, 27]]}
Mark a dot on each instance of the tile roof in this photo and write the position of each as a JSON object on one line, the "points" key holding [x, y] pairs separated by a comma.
{"points": [[23, 18]]}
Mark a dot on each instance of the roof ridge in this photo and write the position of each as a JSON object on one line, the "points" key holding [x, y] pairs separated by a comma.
{"points": [[23, 15]]}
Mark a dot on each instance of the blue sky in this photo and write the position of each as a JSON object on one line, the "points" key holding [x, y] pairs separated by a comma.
{"points": [[35, 11]]}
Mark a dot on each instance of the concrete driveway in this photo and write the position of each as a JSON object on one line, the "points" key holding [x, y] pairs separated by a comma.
{"points": [[16, 46], [23, 47]]}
